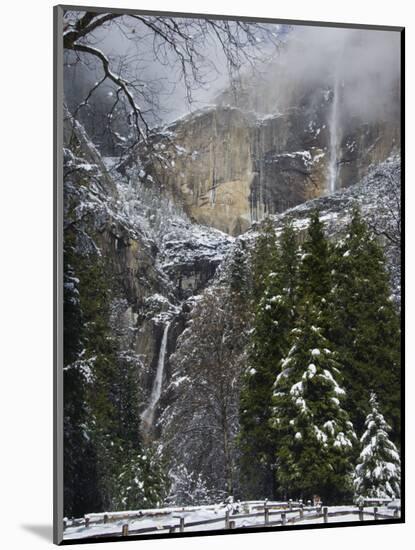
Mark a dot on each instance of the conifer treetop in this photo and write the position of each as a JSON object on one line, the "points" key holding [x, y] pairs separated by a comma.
{"points": [[378, 471]]}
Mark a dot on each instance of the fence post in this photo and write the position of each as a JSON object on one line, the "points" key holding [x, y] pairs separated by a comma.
{"points": [[283, 518], [375, 513], [64, 524], [181, 524], [266, 513], [105, 518], [125, 530], [232, 524], [325, 514], [227, 519], [87, 520], [290, 504], [308, 502], [361, 513], [301, 511]]}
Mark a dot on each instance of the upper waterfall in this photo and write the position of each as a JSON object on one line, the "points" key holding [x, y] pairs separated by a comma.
{"points": [[334, 136]]}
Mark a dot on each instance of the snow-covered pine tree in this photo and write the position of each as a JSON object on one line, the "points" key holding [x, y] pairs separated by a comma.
{"points": [[364, 325], [313, 432], [273, 321], [141, 482], [378, 472]]}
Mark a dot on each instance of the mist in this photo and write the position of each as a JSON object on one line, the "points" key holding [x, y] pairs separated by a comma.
{"points": [[363, 66]]}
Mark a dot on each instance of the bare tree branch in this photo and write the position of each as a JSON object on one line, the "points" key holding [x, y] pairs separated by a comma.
{"points": [[174, 40], [117, 80]]}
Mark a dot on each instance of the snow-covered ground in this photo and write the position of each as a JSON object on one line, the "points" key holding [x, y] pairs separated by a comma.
{"points": [[160, 521]]}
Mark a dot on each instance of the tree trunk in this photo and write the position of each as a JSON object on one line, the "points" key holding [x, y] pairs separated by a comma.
{"points": [[227, 455]]}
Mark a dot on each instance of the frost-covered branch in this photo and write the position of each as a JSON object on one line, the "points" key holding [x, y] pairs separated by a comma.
{"points": [[136, 111], [388, 217], [174, 42]]}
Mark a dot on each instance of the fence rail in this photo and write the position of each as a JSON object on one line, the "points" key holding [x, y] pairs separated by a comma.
{"points": [[288, 512]]}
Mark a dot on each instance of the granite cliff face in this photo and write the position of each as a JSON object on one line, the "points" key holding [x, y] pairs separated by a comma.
{"points": [[228, 166]]}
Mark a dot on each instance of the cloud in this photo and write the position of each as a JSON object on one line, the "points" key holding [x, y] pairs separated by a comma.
{"points": [[364, 63]]}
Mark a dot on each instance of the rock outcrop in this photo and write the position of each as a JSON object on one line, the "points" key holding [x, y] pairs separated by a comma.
{"points": [[228, 167]]}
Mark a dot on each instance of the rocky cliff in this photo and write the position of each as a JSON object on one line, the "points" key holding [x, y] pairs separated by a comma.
{"points": [[229, 166]]}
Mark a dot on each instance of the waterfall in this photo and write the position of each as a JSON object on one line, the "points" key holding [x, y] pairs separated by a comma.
{"points": [[333, 136], [147, 417]]}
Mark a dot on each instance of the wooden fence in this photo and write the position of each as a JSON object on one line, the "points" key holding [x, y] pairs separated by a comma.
{"points": [[284, 513]]}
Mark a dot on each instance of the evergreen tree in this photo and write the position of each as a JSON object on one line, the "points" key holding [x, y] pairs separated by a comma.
{"points": [[238, 272], [102, 397], [80, 475], [141, 482], [364, 325], [288, 258], [314, 270], [313, 433], [378, 473], [273, 321], [264, 257]]}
